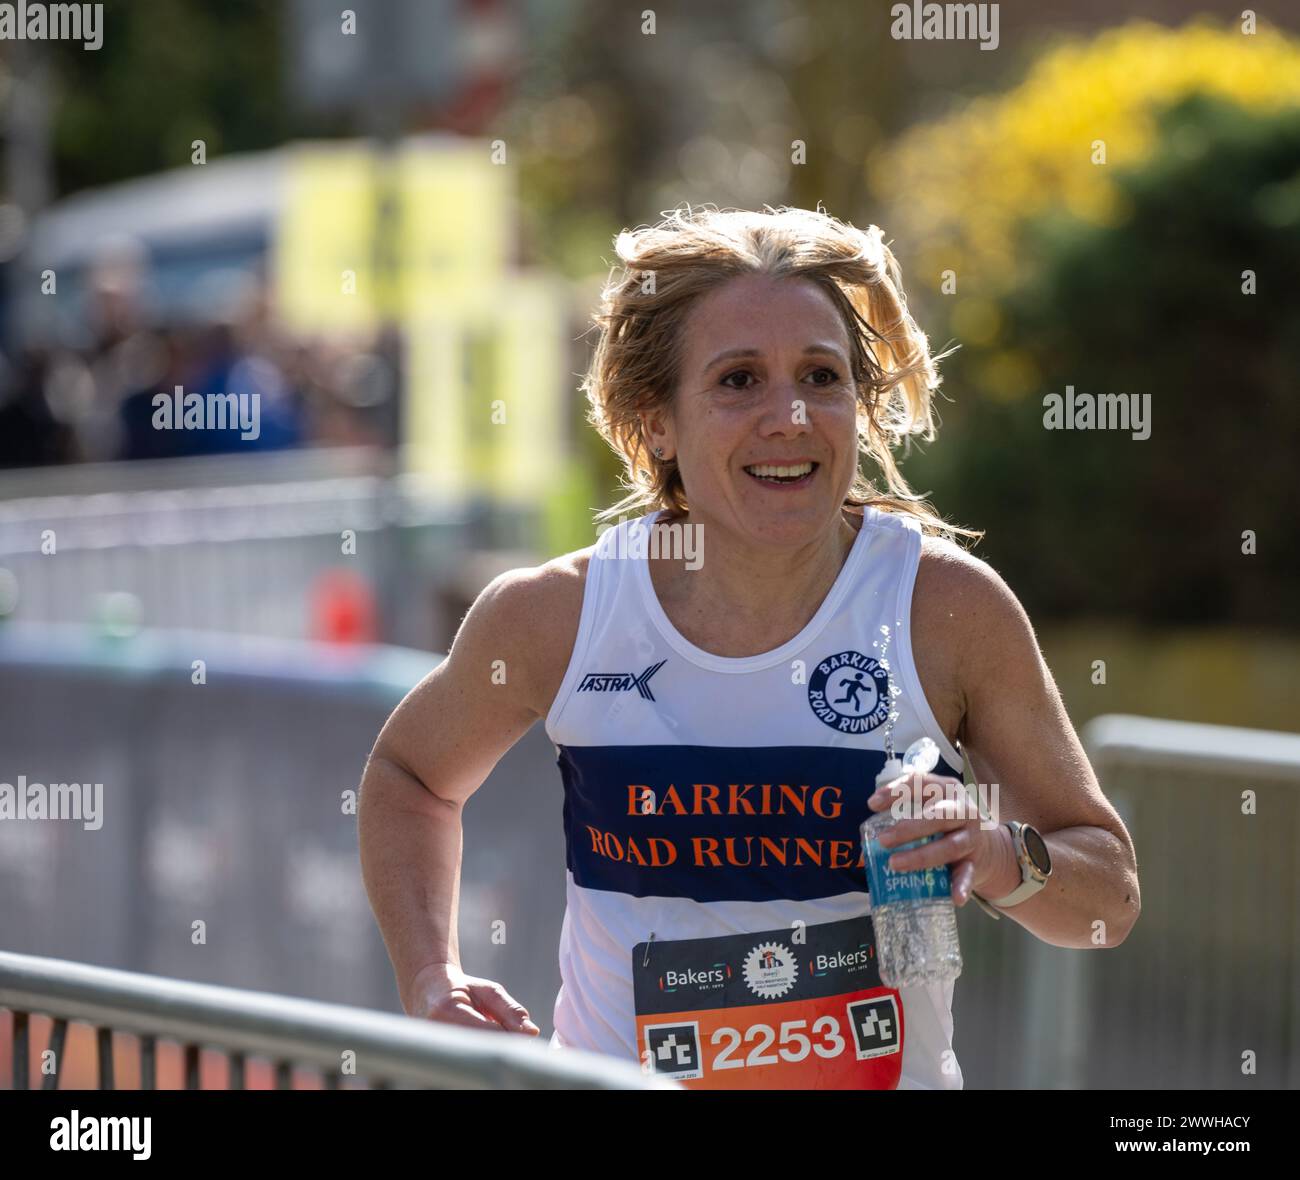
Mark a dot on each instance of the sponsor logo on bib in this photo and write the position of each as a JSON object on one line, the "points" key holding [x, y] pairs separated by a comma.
{"points": [[770, 970]]}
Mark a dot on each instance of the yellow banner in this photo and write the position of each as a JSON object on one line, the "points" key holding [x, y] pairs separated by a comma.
{"points": [[485, 407], [323, 253], [457, 222], [445, 210]]}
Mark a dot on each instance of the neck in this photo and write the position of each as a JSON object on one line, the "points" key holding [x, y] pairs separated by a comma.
{"points": [[761, 594]]}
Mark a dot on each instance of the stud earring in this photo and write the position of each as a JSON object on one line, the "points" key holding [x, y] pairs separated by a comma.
{"points": [[659, 452]]}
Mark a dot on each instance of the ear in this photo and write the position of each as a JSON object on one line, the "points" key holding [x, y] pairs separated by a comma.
{"points": [[658, 431]]}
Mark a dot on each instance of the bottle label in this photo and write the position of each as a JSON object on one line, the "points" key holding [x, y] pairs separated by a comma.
{"points": [[888, 886]]}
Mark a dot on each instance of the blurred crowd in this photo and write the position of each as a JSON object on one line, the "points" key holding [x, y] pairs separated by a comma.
{"points": [[92, 398]]}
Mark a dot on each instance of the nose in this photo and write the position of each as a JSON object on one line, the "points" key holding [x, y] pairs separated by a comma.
{"points": [[783, 411]]}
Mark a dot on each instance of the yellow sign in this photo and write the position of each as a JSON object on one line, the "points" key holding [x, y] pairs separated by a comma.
{"points": [[457, 222], [486, 405], [324, 251], [486, 358], [443, 207]]}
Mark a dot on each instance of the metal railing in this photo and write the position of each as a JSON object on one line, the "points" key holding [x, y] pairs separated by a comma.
{"points": [[1205, 992], [234, 802], [242, 543], [1210, 972], [1116, 740], [389, 1051]]}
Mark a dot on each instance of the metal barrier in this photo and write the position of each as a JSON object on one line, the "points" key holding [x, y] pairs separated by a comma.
{"points": [[1207, 985], [228, 802], [240, 543], [1116, 741], [388, 1051]]}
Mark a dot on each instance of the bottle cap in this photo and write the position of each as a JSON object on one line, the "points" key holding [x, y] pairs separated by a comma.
{"points": [[891, 770]]}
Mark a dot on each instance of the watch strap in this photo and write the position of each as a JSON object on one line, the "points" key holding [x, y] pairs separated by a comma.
{"points": [[1023, 890], [1029, 884]]}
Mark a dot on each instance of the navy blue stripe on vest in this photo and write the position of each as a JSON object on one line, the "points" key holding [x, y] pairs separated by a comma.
{"points": [[718, 823]]}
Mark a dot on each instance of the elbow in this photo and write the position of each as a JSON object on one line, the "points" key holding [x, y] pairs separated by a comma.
{"points": [[1125, 897], [389, 781], [1129, 910]]}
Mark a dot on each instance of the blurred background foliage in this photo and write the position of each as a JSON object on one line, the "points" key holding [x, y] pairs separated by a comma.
{"points": [[1097, 522], [958, 190], [171, 73], [1122, 276]]}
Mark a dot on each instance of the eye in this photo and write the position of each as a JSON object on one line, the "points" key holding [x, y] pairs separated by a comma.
{"points": [[832, 377], [736, 373]]}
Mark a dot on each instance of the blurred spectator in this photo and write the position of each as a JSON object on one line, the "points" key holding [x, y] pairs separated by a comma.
{"points": [[30, 434], [94, 400]]}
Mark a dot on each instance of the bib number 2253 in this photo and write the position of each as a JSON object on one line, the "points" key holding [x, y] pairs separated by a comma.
{"points": [[762, 1011]]}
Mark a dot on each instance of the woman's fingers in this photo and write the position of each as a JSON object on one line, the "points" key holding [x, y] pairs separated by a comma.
{"points": [[940, 805], [922, 796], [955, 846], [493, 999], [944, 817], [447, 995], [457, 1008], [963, 878]]}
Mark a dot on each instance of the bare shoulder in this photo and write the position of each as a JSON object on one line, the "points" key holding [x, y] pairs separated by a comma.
{"points": [[953, 582], [966, 624], [536, 610]]}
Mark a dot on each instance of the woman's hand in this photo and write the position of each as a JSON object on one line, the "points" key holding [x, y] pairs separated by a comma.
{"points": [[934, 803], [443, 992]]}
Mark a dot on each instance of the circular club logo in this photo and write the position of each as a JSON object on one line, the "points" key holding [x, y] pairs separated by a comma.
{"points": [[770, 970], [850, 692]]}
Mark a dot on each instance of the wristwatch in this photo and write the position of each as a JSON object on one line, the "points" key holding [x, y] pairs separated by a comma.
{"points": [[1035, 867]]}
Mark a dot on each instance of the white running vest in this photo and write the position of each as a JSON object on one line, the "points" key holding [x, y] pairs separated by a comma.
{"points": [[756, 771]]}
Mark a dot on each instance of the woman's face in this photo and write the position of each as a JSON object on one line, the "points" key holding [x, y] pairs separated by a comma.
{"points": [[765, 383]]}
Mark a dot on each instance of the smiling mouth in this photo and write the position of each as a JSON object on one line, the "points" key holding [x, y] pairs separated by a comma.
{"points": [[776, 475]]}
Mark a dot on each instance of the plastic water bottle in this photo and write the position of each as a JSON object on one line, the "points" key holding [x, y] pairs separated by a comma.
{"points": [[912, 912]]}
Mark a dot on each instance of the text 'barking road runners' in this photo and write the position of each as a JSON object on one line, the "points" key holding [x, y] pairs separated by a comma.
{"points": [[718, 920]]}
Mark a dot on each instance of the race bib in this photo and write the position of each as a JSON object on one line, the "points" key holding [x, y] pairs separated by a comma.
{"points": [[762, 1012]]}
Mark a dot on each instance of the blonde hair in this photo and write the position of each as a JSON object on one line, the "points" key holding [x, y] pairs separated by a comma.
{"points": [[666, 268]]}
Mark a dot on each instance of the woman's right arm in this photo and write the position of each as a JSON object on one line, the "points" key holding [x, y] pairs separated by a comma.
{"points": [[432, 754]]}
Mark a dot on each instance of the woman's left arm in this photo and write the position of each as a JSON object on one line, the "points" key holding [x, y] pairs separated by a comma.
{"points": [[1015, 732]]}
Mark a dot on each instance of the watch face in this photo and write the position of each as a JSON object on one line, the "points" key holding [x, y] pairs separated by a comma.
{"points": [[1037, 849]]}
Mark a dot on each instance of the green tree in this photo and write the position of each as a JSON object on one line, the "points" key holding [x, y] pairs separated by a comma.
{"points": [[168, 73], [1096, 521]]}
